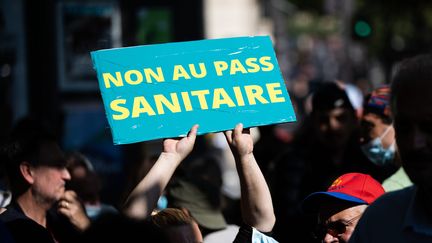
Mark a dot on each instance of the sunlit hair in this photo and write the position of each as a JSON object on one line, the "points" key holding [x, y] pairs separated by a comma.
{"points": [[171, 217]]}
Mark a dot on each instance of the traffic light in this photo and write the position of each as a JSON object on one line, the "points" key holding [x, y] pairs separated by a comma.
{"points": [[361, 28]]}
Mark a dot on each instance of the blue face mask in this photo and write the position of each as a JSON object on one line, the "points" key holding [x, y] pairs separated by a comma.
{"points": [[376, 153]]}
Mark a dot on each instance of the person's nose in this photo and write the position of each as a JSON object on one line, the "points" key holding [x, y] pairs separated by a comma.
{"points": [[66, 175], [328, 238], [334, 124]]}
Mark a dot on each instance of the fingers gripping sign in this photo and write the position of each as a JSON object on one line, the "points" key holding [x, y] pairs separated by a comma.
{"points": [[180, 147], [240, 140]]}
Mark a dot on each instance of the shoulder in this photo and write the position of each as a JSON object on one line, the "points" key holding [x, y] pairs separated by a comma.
{"points": [[384, 216], [32, 231], [247, 234], [398, 180], [225, 235], [11, 214], [392, 203], [394, 200], [17, 222]]}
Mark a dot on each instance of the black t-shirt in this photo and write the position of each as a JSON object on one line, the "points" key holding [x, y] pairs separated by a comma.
{"points": [[24, 229]]}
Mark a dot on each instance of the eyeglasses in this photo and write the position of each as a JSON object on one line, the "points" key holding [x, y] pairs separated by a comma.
{"points": [[334, 228]]}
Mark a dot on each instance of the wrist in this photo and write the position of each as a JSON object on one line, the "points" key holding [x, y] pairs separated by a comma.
{"points": [[84, 224], [245, 157], [172, 157]]}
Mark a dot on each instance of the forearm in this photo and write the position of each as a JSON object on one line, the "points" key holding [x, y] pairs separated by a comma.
{"points": [[81, 222], [256, 202], [143, 198]]}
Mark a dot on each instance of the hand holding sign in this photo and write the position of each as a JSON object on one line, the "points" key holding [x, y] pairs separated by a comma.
{"points": [[240, 141], [180, 148]]}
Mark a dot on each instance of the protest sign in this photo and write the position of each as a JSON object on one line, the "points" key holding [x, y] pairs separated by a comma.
{"points": [[160, 91]]}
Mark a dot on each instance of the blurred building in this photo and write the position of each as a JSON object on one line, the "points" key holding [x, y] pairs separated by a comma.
{"points": [[46, 71]]}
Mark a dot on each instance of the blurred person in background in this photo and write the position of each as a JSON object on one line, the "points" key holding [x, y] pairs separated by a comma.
{"points": [[377, 137], [325, 146], [196, 187], [378, 141], [41, 208], [406, 215], [87, 185]]}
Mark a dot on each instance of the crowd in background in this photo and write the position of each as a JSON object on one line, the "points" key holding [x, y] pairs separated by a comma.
{"points": [[245, 185]]}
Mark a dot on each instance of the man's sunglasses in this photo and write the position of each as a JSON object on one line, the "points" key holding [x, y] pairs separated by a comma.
{"points": [[334, 228]]}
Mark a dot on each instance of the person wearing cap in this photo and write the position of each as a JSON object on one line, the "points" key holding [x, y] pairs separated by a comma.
{"points": [[342, 205], [377, 138], [41, 208], [406, 215], [197, 188], [325, 147], [256, 202], [378, 141]]}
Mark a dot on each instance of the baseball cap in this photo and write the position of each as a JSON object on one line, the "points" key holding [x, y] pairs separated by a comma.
{"points": [[378, 101], [330, 96], [356, 188], [187, 195]]}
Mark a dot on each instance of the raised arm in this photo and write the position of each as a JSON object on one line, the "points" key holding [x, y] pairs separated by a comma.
{"points": [[256, 202], [143, 198]]}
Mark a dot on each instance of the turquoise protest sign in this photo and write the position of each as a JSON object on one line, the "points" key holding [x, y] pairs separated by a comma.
{"points": [[159, 91]]}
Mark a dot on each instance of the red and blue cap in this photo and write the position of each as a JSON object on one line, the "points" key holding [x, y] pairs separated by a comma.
{"points": [[378, 101], [357, 188]]}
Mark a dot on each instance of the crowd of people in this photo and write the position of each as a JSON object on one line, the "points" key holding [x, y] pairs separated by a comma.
{"points": [[346, 174]]}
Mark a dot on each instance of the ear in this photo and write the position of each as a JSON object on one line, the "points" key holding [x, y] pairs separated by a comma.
{"points": [[27, 172]]}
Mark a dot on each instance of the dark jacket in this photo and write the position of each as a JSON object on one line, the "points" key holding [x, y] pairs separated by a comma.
{"points": [[24, 229]]}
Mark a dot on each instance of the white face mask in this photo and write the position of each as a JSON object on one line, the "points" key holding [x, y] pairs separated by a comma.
{"points": [[375, 151]]}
